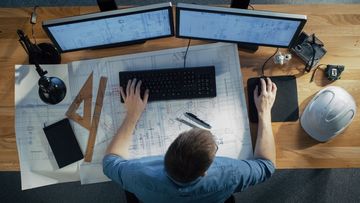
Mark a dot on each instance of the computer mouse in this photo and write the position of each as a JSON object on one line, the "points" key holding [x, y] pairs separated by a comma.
{"points": [[259, 84]]}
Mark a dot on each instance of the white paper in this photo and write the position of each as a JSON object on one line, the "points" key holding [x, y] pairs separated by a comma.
{"points": [[37, 163], [157, 128]]}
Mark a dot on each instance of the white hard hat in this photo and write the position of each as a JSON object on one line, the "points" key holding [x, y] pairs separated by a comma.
{"points": [[328, 113]]}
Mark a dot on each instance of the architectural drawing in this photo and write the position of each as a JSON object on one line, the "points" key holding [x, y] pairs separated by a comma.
{"points": [[157, 128]]}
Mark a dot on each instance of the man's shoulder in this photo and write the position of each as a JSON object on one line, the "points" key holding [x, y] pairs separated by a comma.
{"points": [[221, 160], [117, 163], [229, 164], [239, 173], [144, 166], [149, 162], [142, 160], [228, 160]]}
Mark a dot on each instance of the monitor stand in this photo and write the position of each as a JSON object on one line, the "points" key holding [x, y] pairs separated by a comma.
{"points": [[107, 5], [110, 5], [243, 4], [247, 47]]}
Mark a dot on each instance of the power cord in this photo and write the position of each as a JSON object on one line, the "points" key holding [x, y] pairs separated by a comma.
{"points": [[263, 66], [307, 67], [313, 74], [33, 22], [187, 49], [252, 8]]}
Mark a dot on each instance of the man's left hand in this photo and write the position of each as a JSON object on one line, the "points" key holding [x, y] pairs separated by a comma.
{"points": [[132, 99]]}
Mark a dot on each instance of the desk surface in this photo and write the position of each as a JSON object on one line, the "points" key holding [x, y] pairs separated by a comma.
{"points": [[338, 28]]}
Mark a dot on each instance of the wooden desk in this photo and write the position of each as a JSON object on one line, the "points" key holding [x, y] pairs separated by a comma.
{"points": [[338, 26]]}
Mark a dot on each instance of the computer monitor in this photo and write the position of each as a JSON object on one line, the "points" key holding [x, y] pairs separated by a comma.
{"points": [[111, 28], [248, 27]]}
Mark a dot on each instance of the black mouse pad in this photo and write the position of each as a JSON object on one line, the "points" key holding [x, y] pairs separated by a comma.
{"points": [[285, 107], [63, 143]]}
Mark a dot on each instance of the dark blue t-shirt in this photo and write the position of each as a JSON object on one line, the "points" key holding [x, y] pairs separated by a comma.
{"points": [[147, 179]]}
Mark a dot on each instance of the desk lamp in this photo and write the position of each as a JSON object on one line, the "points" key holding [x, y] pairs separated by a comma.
{"points": [[52, 90]]}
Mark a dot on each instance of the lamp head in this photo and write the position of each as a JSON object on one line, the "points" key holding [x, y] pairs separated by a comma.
{"points": [[52, 90]]}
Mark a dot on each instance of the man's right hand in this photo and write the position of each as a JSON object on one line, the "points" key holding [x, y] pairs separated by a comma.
{"points": [[265, 143], [265, 100]]}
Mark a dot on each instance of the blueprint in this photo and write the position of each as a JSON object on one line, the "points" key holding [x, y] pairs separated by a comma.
{"points": [[156, 129]]}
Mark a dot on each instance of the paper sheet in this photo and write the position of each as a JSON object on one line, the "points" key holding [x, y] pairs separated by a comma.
{"points": [[157, 127], [37, 163]]}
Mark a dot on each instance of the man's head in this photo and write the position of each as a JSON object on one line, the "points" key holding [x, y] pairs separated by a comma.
{"points": [[190, 155]]}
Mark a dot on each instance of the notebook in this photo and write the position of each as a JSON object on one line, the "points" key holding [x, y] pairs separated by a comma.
{"points": [[63, 143]]}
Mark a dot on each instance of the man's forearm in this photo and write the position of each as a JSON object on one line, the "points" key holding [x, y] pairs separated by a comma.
{"points": [[121, 142], [265, 144]]}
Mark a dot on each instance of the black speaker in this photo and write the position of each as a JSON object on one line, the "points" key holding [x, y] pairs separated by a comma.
{"points": [[308, 47], [240, 4]]}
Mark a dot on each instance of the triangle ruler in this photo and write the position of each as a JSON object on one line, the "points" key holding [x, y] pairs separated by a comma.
{"points": [[88, 122]]}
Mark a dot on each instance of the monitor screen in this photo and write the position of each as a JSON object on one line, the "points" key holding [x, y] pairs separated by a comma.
{"points": [[111, 28], [238, 25]]}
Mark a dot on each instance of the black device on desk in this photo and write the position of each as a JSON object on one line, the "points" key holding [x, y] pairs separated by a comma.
{"points": [[111, 28], [310, 49], [174, 83]]}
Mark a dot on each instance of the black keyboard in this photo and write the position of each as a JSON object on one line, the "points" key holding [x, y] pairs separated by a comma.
{"points": [[174, 83]]}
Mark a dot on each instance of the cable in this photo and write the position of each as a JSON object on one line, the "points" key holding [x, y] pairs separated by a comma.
{"points": [[263, 66], [313, 74], [187, 49], [32, 33], [307, 67], [33, 22]]}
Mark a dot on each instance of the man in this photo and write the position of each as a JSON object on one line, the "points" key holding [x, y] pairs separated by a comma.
{"points": [[189, 172]]}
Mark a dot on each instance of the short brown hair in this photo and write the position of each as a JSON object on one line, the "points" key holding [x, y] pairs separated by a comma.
{"points": [[190, 155]]}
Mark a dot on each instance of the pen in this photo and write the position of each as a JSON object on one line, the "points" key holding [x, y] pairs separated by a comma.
{"points": [[186, 123], [197, 120]]}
